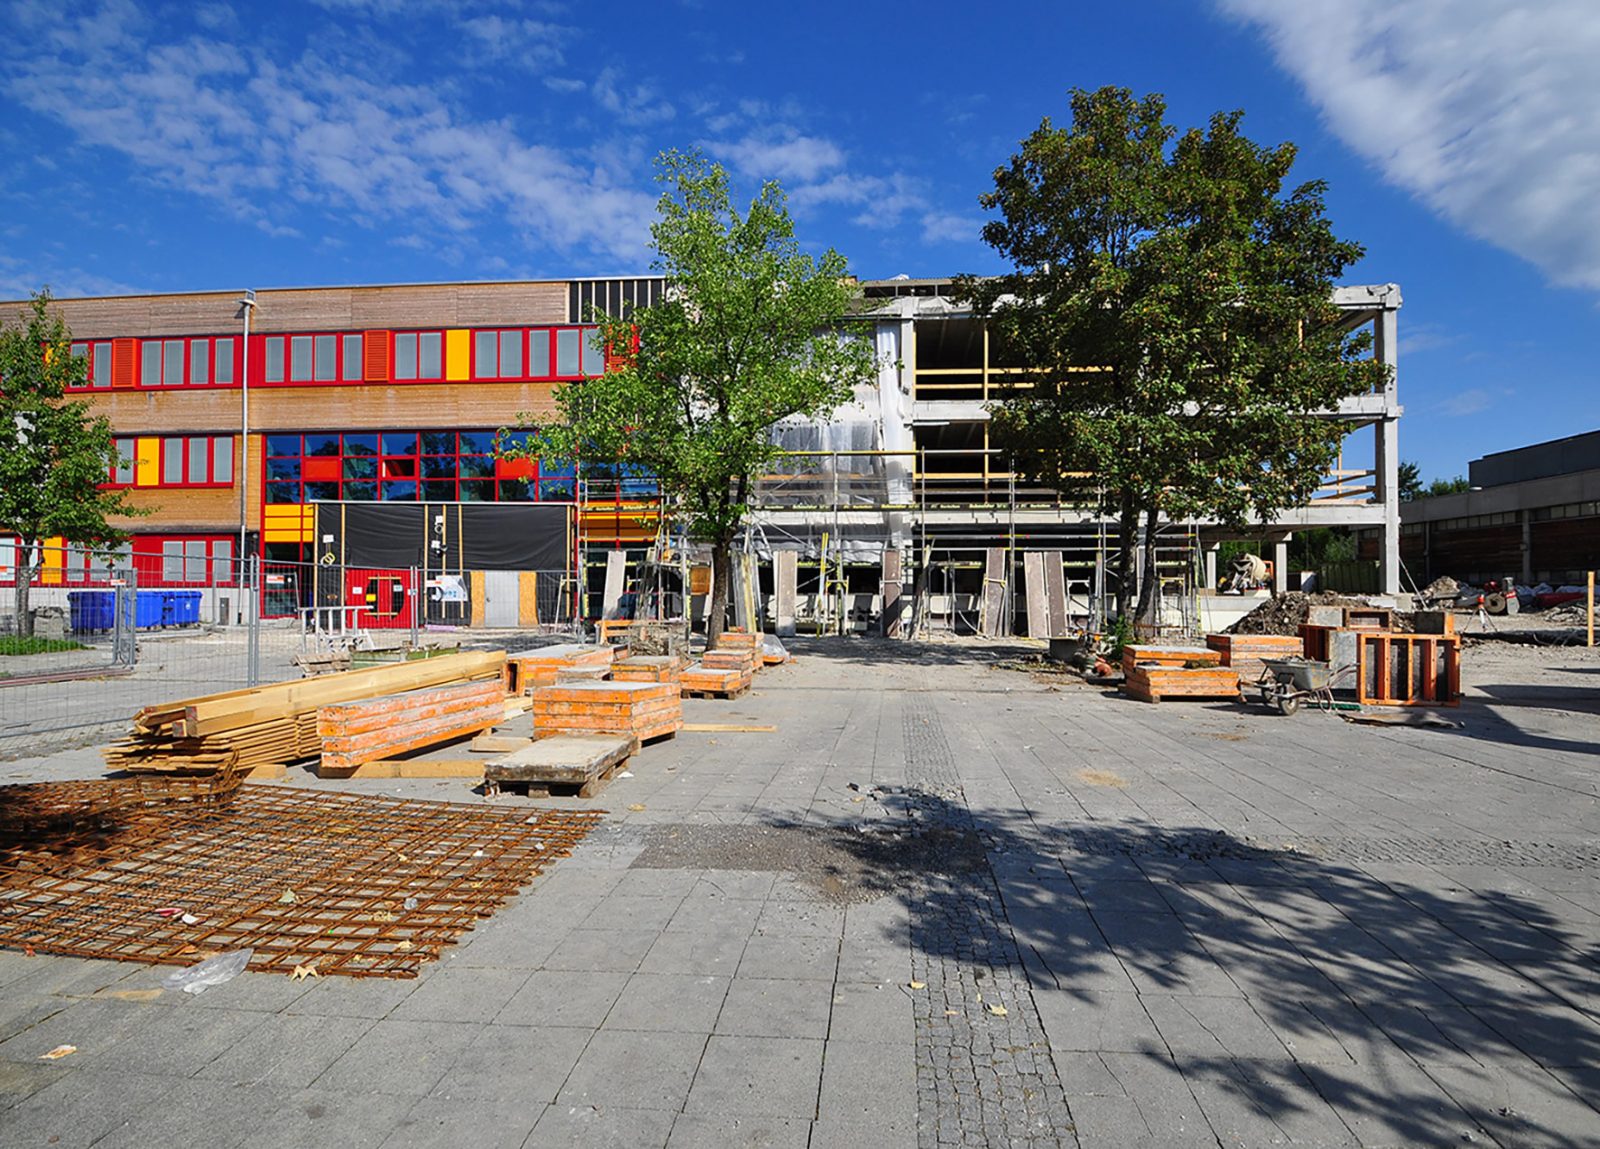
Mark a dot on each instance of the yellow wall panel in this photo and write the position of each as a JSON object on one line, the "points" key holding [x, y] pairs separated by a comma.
{"points": [[286, 523], [146, 462], [54, 551], [457, 355], [477, 584]]}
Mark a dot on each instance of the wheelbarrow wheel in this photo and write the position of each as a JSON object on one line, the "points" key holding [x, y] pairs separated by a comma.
{"points": [[1288, 703]]}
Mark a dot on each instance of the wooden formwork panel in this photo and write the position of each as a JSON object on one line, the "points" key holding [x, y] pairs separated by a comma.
{"points": [[711, 681], [1174, 656], [640, 709], [1408, 670], [647, 668], [379, 728], [739, 640], [1153, 683], [740, 659]]}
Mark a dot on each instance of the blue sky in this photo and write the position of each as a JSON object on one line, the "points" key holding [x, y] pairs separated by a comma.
{"points": [[169, 147]]}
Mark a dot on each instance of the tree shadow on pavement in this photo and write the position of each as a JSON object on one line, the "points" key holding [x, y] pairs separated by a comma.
{"points": [[1333, 990]]}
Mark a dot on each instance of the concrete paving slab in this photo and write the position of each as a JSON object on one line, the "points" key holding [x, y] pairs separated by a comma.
{"points": [[201, 1113], [82, 1106], [631, 1069], [573, 1126], [614, 950], [675, 1003], [860, 1083], [739, 1131], [773, 1007], [457, 993], [401, 1057], [514, 1063], [451, 1122], [314, 1118], [778, 1076], [692, 952], [286, 1050]]}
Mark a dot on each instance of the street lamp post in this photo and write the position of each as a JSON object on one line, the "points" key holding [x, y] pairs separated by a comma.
{"points": [[249, 305]]}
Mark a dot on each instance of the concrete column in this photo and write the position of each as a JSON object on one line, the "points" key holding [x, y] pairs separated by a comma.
{"points": [[1280, 565], [1213, 552], [1386, 452], [1527, 548]]}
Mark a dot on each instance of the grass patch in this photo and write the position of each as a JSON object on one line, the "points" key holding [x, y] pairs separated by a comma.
{"points": [[15, 644]]}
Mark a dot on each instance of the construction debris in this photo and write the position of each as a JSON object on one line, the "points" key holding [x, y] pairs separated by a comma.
{"points": [[1285, 613], [379, 885]]}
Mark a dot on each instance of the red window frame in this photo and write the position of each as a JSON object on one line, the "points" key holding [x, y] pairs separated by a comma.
{"points": [[149, 559], [211, 480], [190, 344]]}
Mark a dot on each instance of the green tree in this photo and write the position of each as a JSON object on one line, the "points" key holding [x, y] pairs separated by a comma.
{"points": [[1412, 486], [54, 455], [1446, 487], [750, 332], [1176, 303], [1410, 478]]}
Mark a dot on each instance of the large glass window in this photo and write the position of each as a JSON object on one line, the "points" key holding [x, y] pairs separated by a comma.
{"points": [[539, 353], [569, 351], [150, 363], [352, 358], [274, 367], [300, 359], [224, 371], [200, 362], [430, 355], [122, 472], [222, 459], [594, 352], [172, 368], [100, 365], [172, 461], [327, 358], [405, 355]]}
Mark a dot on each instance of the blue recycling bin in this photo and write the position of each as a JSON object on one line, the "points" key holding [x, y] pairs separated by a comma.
{"points": [[147, 609], [188, 603], [91, 610]]}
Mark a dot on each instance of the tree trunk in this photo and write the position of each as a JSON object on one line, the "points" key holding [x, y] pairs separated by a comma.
{"points": [[1150, 585], [29, 559], [721, 578]]}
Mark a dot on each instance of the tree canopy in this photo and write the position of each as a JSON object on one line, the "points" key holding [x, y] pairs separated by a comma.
{"points": [[55, 456], [751, 331], [1175, 301]]}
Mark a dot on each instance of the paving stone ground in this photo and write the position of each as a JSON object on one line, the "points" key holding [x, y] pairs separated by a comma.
{"points": [[942, 905]]}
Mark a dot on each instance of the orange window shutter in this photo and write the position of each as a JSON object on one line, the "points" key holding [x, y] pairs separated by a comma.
{"points": [[375, 347], [124, 352]]}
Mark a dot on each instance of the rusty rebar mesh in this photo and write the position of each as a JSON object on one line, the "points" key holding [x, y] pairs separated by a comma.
{"points": [[359, 885], [55, 808]]}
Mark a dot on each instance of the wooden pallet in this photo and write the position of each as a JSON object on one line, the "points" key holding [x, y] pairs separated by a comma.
{"points": [[1153, 683], [647, 668], [580, 764], [700, 681], [641, 710], [379, 728]]}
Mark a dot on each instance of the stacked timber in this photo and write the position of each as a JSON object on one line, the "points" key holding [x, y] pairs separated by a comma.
{"points": [[740, 659], [272, 725], [643, 710], [591, 673], [647, 668], [527, 669], [392, 724], [740, 640], [1151, 673], [704, 681], [1246, 653]]}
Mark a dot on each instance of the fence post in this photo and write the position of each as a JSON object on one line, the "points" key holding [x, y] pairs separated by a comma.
{"points": [[124, 645], [252, 572], [1591, 608], [416, 606]]}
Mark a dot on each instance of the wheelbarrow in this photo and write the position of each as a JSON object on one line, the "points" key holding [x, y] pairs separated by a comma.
{"points": [[1285, 681]]}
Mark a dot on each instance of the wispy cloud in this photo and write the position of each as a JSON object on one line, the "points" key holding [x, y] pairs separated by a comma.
{"points": [[267, 137], [781, 155], [633, 104], [19, 279], [532, 44], [1468, 402], [1482, 109]]}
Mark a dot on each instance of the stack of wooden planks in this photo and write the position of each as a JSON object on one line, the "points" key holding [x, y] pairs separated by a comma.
{"points": [[1244, 653], [643, 710], [699, 679], [1151, 673], [581, 764], [272, 725], [526, 669], [383, 727], [740, 640], [647, 668], [725, 658]]}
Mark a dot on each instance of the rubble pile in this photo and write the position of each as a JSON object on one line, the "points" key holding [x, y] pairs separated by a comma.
{"points": [[1286, 613]]}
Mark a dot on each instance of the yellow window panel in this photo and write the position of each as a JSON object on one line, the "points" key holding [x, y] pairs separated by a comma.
{"points": [[147, 462], [457, 355]]}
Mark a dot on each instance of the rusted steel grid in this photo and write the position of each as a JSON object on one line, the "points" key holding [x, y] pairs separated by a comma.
{"points": [[358, 885]]}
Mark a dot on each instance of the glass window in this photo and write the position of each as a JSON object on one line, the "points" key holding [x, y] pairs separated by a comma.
{"points": [[224, 372], [283, 444], [172, 460], [477, 467], [399, 490], [194, 560], [352, 357], [399, 468], [172, 561], [477, 490], [438, 443], [321, 492], [102, 364], [300, 358], [222, 560], [477, 442], [327, 358], [361, 492], [274, 370], [283, 492], [199, 460], [172, 368], [518, 490], [569, 349], [150, 363], [430, 355], [399, 443], [539, 353], [440, 491], [440, 467], [124, 473], [222, 459], [559, 491], [283, 468], [511, 355], [355, 468], [361, 444], [200, 362], [81, 351], [322, 445], [485, 355], [405, 356], [594, 352]]}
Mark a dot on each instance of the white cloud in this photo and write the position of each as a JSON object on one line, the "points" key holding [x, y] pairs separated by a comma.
{"points": [[784, 155], [1468, 402], [950, 227], [264, 137], [533, 44], [636, 105], [1483, 109]]}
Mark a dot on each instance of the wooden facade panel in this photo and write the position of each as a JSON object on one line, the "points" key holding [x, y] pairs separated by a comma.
{"points": [[343, 408], [315, 309], [183, 509]]}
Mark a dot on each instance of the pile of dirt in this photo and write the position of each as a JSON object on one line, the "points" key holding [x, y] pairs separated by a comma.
{"points": [[1286, 613]]}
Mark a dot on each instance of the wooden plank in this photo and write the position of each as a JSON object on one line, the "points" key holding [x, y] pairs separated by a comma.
{"points": [[616, 574], [991, 602], [407, 768], [725, 728], [498, 743], [1033, 590], [1055, 593]]}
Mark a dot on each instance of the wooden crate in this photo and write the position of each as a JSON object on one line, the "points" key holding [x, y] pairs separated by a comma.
{"points": [[526, 669], [641, 710], [1153, 683], [1246, 653], [1176, 656], [376, 728], [703, 681], [580, 764], [1408, 669], [647, 668]]}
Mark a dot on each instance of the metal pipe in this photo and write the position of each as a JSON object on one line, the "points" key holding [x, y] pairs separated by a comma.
{"points": [[248, 302]]}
